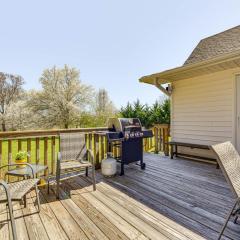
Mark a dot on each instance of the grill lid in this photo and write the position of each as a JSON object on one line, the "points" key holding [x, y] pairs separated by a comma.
{"points": [[124, 124]]}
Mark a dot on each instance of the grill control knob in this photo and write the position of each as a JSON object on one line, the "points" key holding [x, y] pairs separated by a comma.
{"points": [[126, 135], [132, 135], [137, 134]]}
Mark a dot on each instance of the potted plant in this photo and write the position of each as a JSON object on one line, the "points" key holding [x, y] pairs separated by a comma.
{"points": [[21, 157]]}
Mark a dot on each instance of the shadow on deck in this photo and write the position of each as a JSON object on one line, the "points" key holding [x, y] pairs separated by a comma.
{"points": [[170, 199]]}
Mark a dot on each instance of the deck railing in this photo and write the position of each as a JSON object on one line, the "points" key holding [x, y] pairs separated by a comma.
{"points": [[43, 145]]}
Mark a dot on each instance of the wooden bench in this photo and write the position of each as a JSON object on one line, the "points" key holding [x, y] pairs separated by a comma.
{"points": [[174, 151]]}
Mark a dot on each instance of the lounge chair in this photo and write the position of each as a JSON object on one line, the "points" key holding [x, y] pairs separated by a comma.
{"points": [[229, 162], [17, 191], [73, 156]]}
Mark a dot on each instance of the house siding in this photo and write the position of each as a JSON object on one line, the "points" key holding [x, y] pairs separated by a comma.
{"points": [[203, 110]]}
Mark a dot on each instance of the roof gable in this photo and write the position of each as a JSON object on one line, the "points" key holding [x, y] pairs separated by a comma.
{"points": [[213, 46]]}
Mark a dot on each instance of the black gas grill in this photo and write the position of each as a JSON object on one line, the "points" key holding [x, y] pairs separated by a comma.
{"points": [[127, 134]]}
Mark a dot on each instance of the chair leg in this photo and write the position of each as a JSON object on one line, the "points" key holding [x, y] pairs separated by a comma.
{"points": [[48, 181], [13, 225], [48, 187], [235, 220], [94, 178], [37, 195], [58, 183], [86, 172], [58, 173], [25, 201], [228, 217]]}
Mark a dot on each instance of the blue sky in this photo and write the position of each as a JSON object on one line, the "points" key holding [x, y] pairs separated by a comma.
{"points": [[112, 43]]}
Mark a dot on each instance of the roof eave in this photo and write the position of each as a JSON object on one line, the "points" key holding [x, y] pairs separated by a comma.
{"points": [[190, 70]]}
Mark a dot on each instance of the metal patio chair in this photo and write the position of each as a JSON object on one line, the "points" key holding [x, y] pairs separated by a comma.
{"points": [[17, 191], [229, 162], [74, 156]]}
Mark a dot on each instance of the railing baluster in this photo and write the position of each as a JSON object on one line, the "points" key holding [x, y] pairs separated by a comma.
{"points": [[37, 150], [19, 145], [53, 155], [164, 138], [9, 154], [96, 138], [105, 146], [99, 148], [114, 150], [147, 140], [160, 139], [9, 151], [101, 142], [93, 140], [167, 141], [118, 150], [29, 150], [1, 158], [45, 153]]}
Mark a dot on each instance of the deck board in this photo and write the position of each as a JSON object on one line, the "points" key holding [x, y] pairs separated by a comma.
{"points": [[170, 199]]}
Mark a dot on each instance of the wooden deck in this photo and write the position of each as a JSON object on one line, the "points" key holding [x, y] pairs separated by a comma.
{"points": [[171, 199]]}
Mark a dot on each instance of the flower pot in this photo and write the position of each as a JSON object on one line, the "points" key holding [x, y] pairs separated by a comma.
{"points": [[21, 161]]}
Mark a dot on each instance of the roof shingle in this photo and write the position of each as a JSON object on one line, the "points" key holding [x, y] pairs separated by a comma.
{"points": [[213, 46]]}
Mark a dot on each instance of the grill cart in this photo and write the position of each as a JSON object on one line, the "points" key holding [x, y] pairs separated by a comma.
{"points": [[127, 134]]}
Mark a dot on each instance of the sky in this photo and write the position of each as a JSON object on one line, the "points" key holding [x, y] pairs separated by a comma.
{"points": [[113, 43]]}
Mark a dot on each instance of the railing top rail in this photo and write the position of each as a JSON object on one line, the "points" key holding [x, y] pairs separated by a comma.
{"points": [[44, 133], [163, 125]]}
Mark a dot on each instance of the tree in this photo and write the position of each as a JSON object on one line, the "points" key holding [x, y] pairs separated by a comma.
{"points": [[62, 99], [10, 89], [127, 111], [18, 116], [104, 107], [159, 112]]}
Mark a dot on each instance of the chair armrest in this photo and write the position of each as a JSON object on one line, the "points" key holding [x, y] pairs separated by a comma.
{"points": [[18, 164], [5, 186], [92, 160]]}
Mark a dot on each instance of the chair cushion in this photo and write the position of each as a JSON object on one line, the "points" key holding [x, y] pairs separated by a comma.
{"points": [[74, 164], [18, 189]]}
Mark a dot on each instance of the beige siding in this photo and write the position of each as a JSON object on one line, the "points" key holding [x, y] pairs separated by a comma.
{"points": [[203, 109]]}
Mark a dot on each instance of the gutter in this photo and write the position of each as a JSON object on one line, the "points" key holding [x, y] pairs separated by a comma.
{"points": [[165, 77]]}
